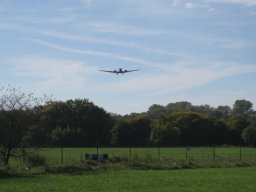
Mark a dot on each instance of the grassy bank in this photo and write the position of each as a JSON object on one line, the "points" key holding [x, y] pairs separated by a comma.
{"points": [[198, 180], [72, 160]]}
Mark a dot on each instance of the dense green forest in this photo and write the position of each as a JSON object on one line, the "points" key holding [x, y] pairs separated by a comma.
{"points": [[25, 121]]}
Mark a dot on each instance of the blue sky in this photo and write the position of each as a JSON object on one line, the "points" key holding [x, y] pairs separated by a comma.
{"points": [[201, 51]]}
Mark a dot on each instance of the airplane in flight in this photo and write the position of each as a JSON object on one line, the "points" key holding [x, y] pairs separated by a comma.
{"points": [[120, 70]]}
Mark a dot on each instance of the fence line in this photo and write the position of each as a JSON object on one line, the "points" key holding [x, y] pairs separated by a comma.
{"points": [[213, 152], [58, 156]]}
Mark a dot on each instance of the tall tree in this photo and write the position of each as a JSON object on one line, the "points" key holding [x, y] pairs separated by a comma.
{"points": [[122, 133], [249, 136], [132, 131], [155, 110], [242, 107], [141, 130], [249, 133], [164, 133], [181, 106], [237, 124], [222, 112], [17, 116], [195, 128], [80, 115]]}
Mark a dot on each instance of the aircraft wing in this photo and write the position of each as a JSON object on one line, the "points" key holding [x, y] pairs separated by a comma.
{"points": [[127, 71], [108, 71]]}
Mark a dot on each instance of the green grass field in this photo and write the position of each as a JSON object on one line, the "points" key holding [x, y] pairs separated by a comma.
{"points": [[111, 177], [75, 155], [192, 180]]}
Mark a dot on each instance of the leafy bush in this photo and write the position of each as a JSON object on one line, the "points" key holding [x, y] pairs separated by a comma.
{"points": [[117, 159], [35, 160]]}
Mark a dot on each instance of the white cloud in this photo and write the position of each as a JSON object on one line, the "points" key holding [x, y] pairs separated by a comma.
{"points": [[253, 13], [52, 75], [241, 2], [180, 76], [95, 53], [191, 5], [175, 3], [235, 45], [215, 40], [211, 9], [202, 5], [87, 3], [122, 29], [127, 44]]}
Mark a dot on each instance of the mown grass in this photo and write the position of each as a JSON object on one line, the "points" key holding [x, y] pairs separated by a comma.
{"points": [[192, 180]]}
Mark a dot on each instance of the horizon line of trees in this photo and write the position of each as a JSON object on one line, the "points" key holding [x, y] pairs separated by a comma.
{"points": [[31, 122], [181, 123]]}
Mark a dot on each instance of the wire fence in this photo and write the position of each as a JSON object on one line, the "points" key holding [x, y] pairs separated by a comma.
{"points": [[59, 156]]}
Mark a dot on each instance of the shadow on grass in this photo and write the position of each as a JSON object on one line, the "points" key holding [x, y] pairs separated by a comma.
{"points": [[8, 175], [86, 168]]}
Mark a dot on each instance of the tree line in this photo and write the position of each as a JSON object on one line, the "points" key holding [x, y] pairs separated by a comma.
{"points": [[26, 120]]}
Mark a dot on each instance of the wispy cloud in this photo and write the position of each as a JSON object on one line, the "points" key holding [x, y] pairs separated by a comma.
{"points": [[129, 44], [191, 5], [235, 45], [188, 4], [52, 75], [198, 5], [241, 2], [57, 76], [181, 76], [35, 20], [253, 13], [122, 29], [94, 53], [87, 3], [175, 3]]}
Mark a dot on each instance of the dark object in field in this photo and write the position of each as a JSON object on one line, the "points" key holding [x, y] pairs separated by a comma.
{"points": [[100, 157]]}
